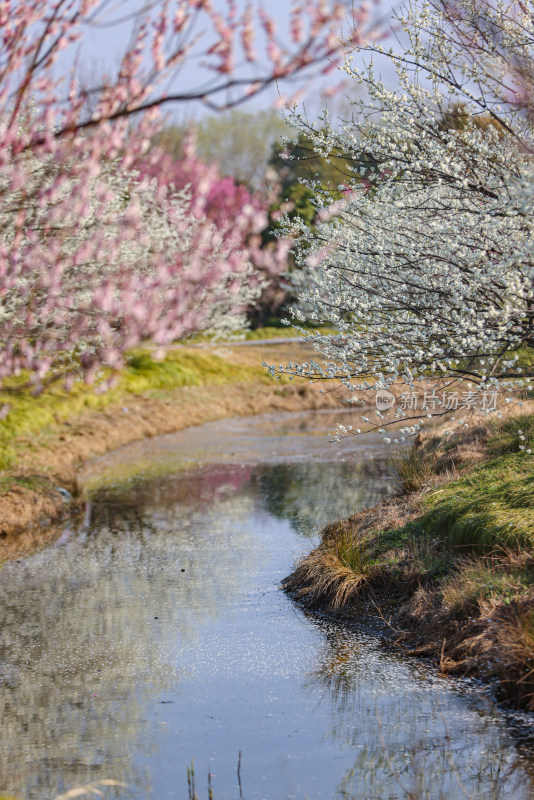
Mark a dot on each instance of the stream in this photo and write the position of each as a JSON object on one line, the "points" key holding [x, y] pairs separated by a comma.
{"points": [[155, 632]]}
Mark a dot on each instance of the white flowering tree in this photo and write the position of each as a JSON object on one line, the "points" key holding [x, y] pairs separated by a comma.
{"points": [[425, 267]]}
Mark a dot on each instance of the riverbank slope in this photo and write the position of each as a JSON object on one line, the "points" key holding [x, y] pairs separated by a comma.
{"points": [[46, 440], [449, 562]]}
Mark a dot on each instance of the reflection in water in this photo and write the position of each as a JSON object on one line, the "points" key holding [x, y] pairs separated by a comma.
{"points": [[312, 494], [406, 749], [157, 633], [85, 634]]}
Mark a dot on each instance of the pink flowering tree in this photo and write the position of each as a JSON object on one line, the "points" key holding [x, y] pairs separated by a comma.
{"points": [[93, 259], [239, 215]]}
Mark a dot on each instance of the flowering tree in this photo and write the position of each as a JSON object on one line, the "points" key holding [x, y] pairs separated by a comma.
{"points": [[427, 270], [138, 264], [498, 39], [239, 215], [93, 259]]}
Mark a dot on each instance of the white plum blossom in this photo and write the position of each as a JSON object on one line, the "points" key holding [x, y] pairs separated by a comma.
{"points": [[425, 269]]}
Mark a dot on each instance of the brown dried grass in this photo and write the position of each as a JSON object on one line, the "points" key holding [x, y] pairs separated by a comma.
{"points": [[478, 621], [498, 646], [344, 563], [515, 647], [321, 578]]}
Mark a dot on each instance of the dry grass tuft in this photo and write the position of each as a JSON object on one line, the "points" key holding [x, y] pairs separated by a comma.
{"points": [[350, 557], [333, 573], [498, 646], [476, 581], [432, 456], [515, 649], [414, 470]]}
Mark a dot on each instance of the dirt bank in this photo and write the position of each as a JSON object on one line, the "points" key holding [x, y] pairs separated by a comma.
{"points": [[48, 461], [449, 563]]}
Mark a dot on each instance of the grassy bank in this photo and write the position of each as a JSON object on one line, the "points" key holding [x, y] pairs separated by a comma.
{"points": [[449, 563], [45, 440]]}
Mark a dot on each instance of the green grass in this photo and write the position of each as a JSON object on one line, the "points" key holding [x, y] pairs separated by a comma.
{"points": [[473, 540], [489, 509], [506, 433], [489, 506], [492, 506], [525, 357], [285, 332], [270, 331], [142, 375], [352, 552], [36, 483]]}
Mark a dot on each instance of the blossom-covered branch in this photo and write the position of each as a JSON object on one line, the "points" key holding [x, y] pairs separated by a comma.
{"points": [[425, 270], [94, 259]]}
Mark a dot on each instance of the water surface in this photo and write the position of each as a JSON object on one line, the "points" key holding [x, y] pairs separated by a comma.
{"points": [[157, 633]]}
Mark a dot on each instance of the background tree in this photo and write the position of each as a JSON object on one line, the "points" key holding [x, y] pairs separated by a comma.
{"points": [[238, 142], [307, 180], [431, 273], [240, 216]]}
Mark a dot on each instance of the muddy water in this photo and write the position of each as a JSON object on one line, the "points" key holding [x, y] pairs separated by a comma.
{"points": [[156, 633]]}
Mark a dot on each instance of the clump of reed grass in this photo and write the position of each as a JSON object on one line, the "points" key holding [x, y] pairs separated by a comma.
{"points": [[515, 643], [334, 572], [414, 469], [506, 434]]}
